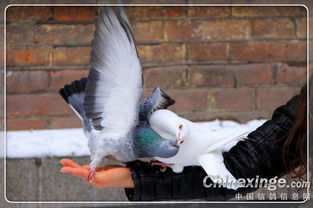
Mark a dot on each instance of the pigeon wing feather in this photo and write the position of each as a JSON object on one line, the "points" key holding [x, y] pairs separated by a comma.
{"points": [[115, 79]]}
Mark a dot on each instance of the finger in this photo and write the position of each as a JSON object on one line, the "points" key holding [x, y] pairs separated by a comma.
{"points": [[86, 167], [79, 172], [70, 163]]}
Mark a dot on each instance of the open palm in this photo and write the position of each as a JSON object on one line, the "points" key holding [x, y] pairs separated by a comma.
{"points": [[108, 176]]}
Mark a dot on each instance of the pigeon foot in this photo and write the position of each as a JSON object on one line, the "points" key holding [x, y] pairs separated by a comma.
{"points": [[91, 174]]}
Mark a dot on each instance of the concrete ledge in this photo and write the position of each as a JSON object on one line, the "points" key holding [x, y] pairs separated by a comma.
{"points": [[39, 180]]}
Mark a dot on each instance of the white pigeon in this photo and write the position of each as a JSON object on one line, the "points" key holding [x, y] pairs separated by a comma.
{"points": [[200, 148]]}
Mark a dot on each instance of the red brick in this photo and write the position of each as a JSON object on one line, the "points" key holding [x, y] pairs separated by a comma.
{"points": [[210, 76], [162, 53], [73, 13], [258, 51], [28, 13], [234, 99], [66, 122], [18, 34], [269, 51], [1, 59], [75, 56], [253, 74], [267, 11], [271, 98], [63, 77], [207, 52], [291, 75], [27, 81], [154, 12], [26, 124], [301, 27], [165, 77], [296, 51], [273, 28], [148, 31], [310, 33], [62, 34], [37, 104], [28, 56], [189, 100], [209, 11], [180, 30], [207, 30], [238, 116]]}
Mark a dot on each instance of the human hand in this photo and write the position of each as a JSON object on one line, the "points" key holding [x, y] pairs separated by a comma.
{"points": [[108, 176]]}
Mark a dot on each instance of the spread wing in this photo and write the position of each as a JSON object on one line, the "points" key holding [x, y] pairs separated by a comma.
{"points": [[114, 82]]}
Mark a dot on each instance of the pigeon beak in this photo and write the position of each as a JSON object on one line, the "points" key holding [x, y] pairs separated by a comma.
{"points": [[179, 139]]}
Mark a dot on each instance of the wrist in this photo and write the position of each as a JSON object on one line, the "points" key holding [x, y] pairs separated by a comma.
{"points": [[128, 181]]}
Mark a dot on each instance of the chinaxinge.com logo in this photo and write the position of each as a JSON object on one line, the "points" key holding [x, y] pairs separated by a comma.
{"points": [[270, 183]]}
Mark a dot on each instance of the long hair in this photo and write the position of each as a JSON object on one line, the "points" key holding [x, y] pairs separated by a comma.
{"points": [[293, 155]]}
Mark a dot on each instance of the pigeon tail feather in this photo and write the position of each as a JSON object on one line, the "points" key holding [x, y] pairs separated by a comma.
{"points": [[158, 100], [163, 100]]}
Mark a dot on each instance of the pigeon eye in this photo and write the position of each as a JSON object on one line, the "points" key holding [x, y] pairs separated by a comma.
{"points": [[180, 127]]}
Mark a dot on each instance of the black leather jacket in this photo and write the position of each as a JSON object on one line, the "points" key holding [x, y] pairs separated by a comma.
{"points": [[259, 154]]}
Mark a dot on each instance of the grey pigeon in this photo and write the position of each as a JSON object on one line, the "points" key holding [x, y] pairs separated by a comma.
{"points": [[115, 120]]}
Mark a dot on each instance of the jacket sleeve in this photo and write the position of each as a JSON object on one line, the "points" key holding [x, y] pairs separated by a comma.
{"points": [[258, 154]]}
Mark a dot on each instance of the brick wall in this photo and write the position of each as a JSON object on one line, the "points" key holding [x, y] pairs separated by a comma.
{"points": [[217, 62]]}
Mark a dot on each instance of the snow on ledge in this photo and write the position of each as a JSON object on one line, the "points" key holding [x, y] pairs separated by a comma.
{"points": [[72, 142]]}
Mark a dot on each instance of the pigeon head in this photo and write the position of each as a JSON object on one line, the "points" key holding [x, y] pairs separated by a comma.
{"points": [[174, 127], [148, 143]]}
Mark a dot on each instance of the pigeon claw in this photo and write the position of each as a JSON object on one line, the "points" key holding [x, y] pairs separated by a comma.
{"points": [[162, 164], [163, 169], [91, 175]]}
